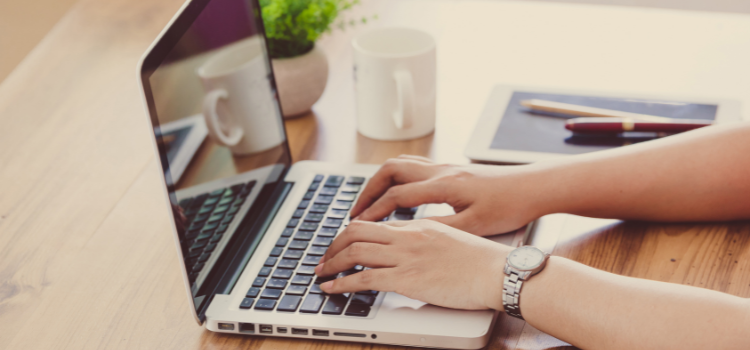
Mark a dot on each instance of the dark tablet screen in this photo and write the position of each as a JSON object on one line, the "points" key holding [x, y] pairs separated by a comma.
{"points": [[522, 130]]}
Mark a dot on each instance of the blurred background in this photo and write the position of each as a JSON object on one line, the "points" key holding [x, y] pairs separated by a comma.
{"points": [[24, 23]]}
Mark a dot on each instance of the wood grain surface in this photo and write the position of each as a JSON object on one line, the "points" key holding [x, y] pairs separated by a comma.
{"points": [[87, 260]]}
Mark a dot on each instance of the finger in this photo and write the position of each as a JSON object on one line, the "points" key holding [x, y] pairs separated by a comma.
{"points": [[394, 171], [405, 196], [357, 253], [372, 279], [417, 158], [359, 231]]}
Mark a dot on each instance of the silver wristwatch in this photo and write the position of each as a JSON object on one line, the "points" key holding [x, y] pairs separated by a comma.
{"points": [[521, 263]]}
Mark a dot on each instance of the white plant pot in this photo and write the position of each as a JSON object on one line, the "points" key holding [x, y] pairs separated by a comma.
{"points": [[300, 81]]}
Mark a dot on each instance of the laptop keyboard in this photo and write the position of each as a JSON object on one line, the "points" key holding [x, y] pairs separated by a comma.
{"points": [[208, 217], [287, 281]]}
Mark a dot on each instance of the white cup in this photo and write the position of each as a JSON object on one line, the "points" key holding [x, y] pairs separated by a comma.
{"points": [[239, 105], [394, 78]]}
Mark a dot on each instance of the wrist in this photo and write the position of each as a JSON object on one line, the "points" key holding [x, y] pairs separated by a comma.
{"points": [[494, 296]]}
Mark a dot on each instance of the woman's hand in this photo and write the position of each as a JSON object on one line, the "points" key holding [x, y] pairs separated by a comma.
{"points": [[420, 259], [487, 199]]}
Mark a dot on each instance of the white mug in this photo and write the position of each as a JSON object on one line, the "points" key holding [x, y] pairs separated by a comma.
{"points": [[394, 78], [239, 104]]}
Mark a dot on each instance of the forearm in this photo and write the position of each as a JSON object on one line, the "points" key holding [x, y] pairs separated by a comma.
{"points": [[593, 309], [702, 175]]}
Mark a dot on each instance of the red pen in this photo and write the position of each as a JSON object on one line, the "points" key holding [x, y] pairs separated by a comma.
{"points": [[617, 125]]}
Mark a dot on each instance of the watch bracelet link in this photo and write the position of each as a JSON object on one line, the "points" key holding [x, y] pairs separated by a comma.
{"points": [[511, 289]]}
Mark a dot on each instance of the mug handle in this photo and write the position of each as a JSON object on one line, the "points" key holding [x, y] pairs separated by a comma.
{"points": [[213, 122], [403, 117]]}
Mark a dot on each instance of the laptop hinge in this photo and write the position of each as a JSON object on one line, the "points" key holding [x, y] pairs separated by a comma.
{"points": [[241, 247]]}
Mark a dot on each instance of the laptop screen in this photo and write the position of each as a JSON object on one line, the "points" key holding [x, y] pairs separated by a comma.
{"points": [[218, 126]]}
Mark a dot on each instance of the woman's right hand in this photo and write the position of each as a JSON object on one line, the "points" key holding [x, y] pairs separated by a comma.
{"points": [[487, 199]]}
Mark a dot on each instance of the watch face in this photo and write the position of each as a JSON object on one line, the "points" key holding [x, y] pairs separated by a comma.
{"points": [[526, 258]]}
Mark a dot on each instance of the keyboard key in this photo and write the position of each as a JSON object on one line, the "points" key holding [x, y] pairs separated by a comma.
{"points": [[300, 245], [311, 260], [296, 290], [276, 283], [217, 193], [215, 238], [282, 242], [259, 281], [289, 303], [283, 273], [337, 214], [221, 209], [411, 211], [298, 213], [204, 235], [368, 292], [233, 209], [314, 217], [359, 310], [211, 201], [210, 247], [271, 293], [312, 304], [304, 235], [309, 195], [288, 232], [303, 204], [302, 280], [276, 251], [334, 181], [333, 223], [270, 261], [204, 257], [323, 279], [247, 303], [346, 197], [293, 223], [223, 228], [351, 189], [322, 241], [225, 200], [319, 208], [288, 263], [293, 254], [265, 304], [265, 271], [314, 186], [198, 245], [306, 270], [363, 299], [308, 226], [252, 292], [317, 250], [355, 180], [197, 267], [335, 305], [328, 232], [323, 199], [315, 289], [318, 178], [403, 217], [211, 226], [342, 205], [329, 191]]}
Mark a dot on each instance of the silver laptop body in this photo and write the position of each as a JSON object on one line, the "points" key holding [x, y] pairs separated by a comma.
{"points": [[249, 225]]}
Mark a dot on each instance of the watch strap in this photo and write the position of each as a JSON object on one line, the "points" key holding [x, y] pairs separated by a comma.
{"points": [[511, 292]]}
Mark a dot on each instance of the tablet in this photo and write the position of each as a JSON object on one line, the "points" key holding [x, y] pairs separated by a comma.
{"points": [[508, 133]]}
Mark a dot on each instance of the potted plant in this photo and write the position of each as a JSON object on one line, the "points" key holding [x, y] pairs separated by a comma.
{"points": [[301, 68]]}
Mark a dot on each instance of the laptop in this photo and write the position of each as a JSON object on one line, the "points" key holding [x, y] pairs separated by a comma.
{"points": [[249, 225]]}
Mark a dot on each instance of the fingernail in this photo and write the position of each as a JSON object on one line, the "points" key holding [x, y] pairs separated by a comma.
{"points": [[326, 287], [356, 218], [319, 268]]}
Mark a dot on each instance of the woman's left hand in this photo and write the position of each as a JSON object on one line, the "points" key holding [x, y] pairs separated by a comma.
{"points": [[420, 259]]}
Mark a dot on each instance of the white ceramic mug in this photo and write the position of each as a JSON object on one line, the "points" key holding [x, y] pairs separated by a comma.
{"points": [[394, 78], [239, 106]]}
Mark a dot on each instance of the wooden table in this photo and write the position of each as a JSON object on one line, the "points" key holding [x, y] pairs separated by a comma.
{"points": [[86, 257]]}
